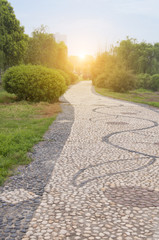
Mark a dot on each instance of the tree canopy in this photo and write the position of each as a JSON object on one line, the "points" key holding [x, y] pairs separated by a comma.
{"points": [[128, 65], [41, 48], [140, 57], [13, 41], [44, 50]]}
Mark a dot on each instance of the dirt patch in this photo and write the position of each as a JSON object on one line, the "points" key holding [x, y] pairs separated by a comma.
{"points": [[46, 110]]}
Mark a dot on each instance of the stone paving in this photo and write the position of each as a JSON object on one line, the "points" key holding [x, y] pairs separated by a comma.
{"points": [[20, 197], [105, 177]]}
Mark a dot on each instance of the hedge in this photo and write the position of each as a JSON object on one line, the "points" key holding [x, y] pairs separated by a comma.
{"points": [[34, 83]]}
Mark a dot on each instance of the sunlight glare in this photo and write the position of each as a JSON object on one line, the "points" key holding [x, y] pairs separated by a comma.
{"points": [[82, 56]]}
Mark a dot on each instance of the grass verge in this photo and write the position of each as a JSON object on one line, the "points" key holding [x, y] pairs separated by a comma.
{"points": [[22, 125], [138, 96], [6, 97]]}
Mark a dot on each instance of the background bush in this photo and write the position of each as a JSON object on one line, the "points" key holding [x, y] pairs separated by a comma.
{"points": [[122, 80], [101, 80], [70, 78], [73, 77], [143, 81], [118, 79], [34, 83], [154, 85], [65, 76], [127, 59]]}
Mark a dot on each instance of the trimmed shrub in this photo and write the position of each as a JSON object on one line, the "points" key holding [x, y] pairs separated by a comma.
{"points": [[143, 81], [65, 76], [154, 84], [69, 77], [34, 83]]}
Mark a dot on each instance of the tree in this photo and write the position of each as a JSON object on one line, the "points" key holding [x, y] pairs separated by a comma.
{"points": [[140, 57], [105, 62], [62, 56], [145, 58], [13, 40], [108, 72], [127, 53], [42, 48]]}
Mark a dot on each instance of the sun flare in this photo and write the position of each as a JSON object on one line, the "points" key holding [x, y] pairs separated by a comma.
{"points": [[82, 56]]}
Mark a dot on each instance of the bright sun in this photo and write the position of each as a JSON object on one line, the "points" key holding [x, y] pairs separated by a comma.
{"points": [[82, 56]]}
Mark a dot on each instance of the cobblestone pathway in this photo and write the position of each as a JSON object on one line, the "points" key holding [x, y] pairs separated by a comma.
{"points": [[105, 183]]}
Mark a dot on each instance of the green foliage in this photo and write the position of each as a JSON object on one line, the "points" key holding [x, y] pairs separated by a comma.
{"points": [[44, 50], [143, 81], [70, 78], [104, 63], [6, 97], [65, 76], [154, 85], [115, 70], [73, 77], [101, 80], [108, 72], [34, 83], [122, 80], [140, 57], [62, 57], [146, 81], [13, 40], [119, 80]]}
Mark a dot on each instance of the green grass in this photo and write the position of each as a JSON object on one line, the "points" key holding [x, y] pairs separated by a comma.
{"points": [[6, 97], [138, 96], [21, 126]]}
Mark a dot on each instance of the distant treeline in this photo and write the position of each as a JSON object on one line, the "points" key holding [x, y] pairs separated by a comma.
{"points": [[127, 66]]}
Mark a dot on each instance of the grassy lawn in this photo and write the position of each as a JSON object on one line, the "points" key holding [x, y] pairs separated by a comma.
{"points": [[22, 125], [6, 97], [138, 96]]}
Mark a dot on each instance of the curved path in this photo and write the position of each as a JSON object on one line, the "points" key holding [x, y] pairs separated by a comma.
{"points": [[105, 183]]}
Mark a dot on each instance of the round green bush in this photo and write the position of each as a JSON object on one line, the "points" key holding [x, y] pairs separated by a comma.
{"points": [[65, 76], [34, 83]]}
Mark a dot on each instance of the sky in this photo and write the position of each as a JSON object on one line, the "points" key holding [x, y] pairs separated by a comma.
{"points": [[91, 25]]}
